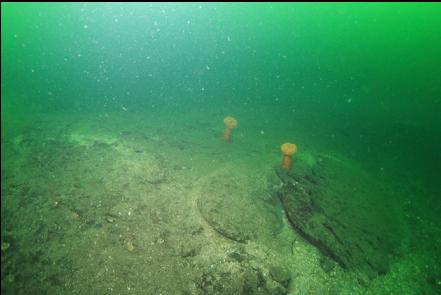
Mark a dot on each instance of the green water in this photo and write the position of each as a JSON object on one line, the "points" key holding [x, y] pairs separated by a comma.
{"points": [[113, 160]]}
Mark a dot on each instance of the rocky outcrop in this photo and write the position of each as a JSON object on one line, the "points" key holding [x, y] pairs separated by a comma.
{"points": [[344, 212]]}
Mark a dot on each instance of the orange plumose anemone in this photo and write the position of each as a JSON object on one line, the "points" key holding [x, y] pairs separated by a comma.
{"points": [[288, 149], [230, 125]]}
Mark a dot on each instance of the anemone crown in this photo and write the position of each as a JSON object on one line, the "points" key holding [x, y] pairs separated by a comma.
{"points": [[288, 148], [230, 122]]}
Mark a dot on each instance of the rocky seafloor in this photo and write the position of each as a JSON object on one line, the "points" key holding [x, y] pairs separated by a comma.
{"points": [[117, 205]]}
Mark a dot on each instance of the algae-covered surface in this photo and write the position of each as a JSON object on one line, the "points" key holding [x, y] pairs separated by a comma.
{"points": [[117, 177]]}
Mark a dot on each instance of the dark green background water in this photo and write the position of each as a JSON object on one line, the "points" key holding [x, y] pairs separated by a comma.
{"points": [[364, 78], [384, 57]]}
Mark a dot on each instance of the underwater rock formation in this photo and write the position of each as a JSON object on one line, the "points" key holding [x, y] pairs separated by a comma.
{"points": [[237, 207], [343, 212]]}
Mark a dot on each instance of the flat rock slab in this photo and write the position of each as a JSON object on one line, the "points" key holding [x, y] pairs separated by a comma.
{"points": [[344, 212], [238, 206]]}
